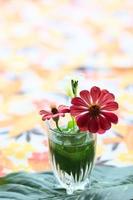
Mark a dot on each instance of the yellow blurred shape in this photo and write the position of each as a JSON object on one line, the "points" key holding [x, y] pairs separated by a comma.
{"points": [[18, 150], [24, 123]]}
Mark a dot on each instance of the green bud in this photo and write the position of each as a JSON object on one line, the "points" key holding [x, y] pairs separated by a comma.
{"points": [[74, 84]]}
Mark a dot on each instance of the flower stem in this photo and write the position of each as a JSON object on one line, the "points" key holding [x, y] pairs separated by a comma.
{"points": [[73, 123], [57, 125]]}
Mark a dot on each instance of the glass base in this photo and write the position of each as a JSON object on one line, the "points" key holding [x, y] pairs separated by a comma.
{"points": [[73, 188], [69, 183]]}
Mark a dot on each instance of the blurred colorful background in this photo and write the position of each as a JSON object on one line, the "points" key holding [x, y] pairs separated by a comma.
{"points": [[43, 43]]}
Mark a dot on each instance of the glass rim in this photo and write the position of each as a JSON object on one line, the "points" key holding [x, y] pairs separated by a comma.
{"points": [[72, 134], [67, 134]]}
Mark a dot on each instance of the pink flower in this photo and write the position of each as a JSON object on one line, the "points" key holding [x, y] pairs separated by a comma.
{"points": [[54, 113], [92, 110]]}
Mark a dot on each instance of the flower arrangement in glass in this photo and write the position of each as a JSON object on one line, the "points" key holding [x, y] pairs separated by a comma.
{"points": [[72, 145]]}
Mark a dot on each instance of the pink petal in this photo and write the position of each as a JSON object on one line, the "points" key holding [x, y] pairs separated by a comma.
{"points": [[93, 125], [111, 117], [43, 112], [95, 93], [77, 101], [104, 123], [85, 95], [61, 114], [77, 110], [110, 106], [46, 117], [57, 115], [82, 121], [64, 109]]}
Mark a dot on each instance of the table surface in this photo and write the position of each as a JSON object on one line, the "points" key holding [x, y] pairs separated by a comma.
{"points": [[107, 183], [41, 48]]}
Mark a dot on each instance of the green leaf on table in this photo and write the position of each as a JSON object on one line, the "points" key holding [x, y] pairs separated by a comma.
{"points": [[107, 183]]}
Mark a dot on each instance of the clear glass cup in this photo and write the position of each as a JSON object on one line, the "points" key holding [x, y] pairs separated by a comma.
{"points": [[72, 158]]}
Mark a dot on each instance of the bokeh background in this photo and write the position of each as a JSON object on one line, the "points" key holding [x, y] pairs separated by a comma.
{"points": [[43, 43]]}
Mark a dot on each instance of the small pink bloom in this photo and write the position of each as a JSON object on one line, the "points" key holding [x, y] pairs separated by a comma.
{"points": [[92, 110], [54, 113]]}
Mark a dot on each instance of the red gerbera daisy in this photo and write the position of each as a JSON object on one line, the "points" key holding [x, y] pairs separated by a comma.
{"points": [[92, 110], [55, 113]]}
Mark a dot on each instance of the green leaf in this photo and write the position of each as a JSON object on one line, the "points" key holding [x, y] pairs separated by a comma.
{"points": [[107, 183], [70, 124]]}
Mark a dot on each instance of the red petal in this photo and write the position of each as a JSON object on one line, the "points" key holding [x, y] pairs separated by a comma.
{"points": [[63, 109], [108, 97], [111, 117], [77, 110], [104, 123], [110, 106], [103, 92], [82, 121], [95, 93], [85, 95], [77, 101], [93, 125], [101, 131]]}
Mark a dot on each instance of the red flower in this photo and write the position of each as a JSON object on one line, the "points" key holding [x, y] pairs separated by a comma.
{"points": [[92, 110], [54, 113]]}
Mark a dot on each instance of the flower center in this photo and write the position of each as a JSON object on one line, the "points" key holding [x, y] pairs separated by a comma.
{"points": [[54, 110], [94, 110]]}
